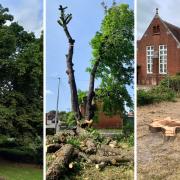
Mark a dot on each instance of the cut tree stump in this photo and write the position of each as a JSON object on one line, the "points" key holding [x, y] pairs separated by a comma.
{"points": [[167, 125], [61, 162]]}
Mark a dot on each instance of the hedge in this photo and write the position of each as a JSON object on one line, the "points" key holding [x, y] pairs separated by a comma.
{"points": [[155, 95]]}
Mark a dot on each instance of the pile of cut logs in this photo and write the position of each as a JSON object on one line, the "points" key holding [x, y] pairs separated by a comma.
{"points": [[109, 153]]}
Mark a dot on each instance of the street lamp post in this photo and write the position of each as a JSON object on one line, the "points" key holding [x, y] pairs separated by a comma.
{"points": [[57, 105]]}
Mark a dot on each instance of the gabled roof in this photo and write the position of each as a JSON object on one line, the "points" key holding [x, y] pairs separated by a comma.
{"points": [[174, 30]]}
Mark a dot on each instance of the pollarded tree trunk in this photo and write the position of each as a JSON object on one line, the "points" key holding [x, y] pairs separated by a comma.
{"points": [[89, 109], [63, 21], [72, 83]]}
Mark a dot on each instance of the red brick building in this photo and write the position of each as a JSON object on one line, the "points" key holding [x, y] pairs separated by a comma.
{"points": [[104, 121], [158, 52]]}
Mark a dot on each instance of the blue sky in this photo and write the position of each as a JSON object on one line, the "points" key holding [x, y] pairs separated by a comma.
{"points": [[87, 17], [28, 13]]}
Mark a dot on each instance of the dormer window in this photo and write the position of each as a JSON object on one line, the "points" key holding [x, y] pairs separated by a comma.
{"points": [[156, 29]]}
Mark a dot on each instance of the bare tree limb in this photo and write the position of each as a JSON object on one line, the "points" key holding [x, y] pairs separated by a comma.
{"points": [[63, 22]]}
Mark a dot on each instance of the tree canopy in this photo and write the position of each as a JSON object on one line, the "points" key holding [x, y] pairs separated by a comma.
{"points": [[21, 84], [113, 47]]}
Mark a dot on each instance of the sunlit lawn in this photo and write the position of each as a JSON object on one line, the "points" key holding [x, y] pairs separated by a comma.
{"points": [[15, 171]]}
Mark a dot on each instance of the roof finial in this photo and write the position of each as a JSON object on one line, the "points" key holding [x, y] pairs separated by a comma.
{"points": [[157, 11]]}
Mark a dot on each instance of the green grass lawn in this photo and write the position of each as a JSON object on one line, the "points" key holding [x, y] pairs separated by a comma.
{"points": [[17, 171]]}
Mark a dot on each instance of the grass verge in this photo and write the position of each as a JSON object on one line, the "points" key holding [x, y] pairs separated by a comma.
{"points": [[18, 171]]}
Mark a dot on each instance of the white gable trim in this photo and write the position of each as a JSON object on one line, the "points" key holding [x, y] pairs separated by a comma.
{"points": [[170, 31]]}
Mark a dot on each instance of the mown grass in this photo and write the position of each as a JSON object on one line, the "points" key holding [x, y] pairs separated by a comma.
{"points": [[18, 171], [109, 173]]}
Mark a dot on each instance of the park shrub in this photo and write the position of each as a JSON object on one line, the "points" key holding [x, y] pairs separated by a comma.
{"points": [[172, 82], [6, 141], [144, 97], [161, 93], [18, 155], [157, 94], [23, 154], [14, 149], [167, 90]]}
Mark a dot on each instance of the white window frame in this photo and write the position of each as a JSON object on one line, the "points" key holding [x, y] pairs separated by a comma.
{"points": [[149, 59], [162, 59]]}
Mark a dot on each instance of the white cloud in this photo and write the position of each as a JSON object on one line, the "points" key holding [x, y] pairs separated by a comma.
{"points": [[168, 11], [49, 92], [29, 15]]}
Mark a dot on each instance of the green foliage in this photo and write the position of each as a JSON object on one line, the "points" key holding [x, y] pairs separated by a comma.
{"points": [[81, 96], [7, 141], [155, 95], [94, 134], [17, 155], [122, 138], [21, 85], [67, 117], [128, 126], [130, 139], [74, 141], [144, 98], [62, 116], [173, 82], [167, 90], [113, 45], [70, 119]]}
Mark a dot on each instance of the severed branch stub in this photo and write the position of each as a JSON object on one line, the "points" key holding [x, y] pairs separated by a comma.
{"points": [[64, 21]]}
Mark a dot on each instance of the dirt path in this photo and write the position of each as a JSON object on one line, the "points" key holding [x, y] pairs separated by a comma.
{"points": [[157, 159]]}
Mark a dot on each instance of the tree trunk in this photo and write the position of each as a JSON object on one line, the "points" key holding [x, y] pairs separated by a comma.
{"points": [[72, 82], [63, 21], [61, 162], [89, 109], [109, 159]]}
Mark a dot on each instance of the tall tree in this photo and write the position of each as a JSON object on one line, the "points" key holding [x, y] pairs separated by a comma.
{"points": [[112, 62], [63, 22], [21, 82]]}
